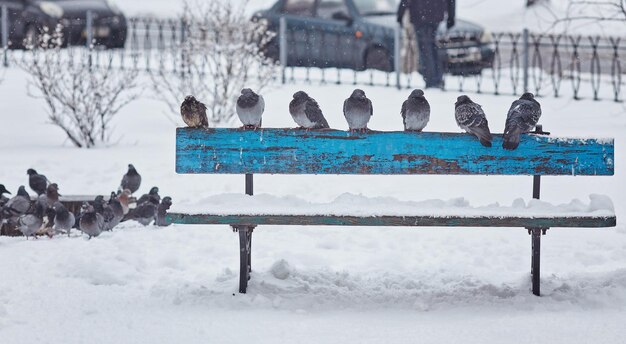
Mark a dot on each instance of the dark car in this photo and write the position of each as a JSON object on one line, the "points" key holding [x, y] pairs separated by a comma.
{"points": [[28, 19], [359, 34]]}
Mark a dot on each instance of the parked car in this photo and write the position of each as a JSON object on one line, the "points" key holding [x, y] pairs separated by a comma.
{"points": [[29, 18], [359, 34]]}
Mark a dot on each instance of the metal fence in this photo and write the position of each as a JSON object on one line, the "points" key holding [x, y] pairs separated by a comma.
{"points": [[581, 67]]}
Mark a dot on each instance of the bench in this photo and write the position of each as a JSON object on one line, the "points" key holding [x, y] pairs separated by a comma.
{"points": [[290, 151]]}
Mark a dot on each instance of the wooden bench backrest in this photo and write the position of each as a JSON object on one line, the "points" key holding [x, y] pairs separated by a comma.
{"points": [[289, 151]]}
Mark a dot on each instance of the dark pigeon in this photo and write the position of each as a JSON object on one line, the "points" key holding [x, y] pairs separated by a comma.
{"points": [[250, 108], [152, 196], [522, 118], [105, 210], [194, 113], [64, 220], [31, 222], [306, 112], [3, 198], [358, 110], [145, 213], [471, 118], [91, 223], [131, 180], [415, 112], [162, 209], [37, 182], [116, 206]]}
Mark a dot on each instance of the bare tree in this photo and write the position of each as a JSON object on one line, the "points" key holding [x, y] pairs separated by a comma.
{"points": [[594, 11], [222, 52], [81, 99]]}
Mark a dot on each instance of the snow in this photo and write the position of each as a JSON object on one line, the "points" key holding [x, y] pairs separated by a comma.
{"points": [[358, 205], [311, 284]]}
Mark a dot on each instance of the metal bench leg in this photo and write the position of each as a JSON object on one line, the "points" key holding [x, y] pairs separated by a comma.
{"points": [[535, 269], [245, 249]]}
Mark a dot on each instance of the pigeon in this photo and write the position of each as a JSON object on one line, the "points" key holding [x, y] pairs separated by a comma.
{"points": [[471, 118], [31, 222], [16, 206], [250, 108], [131, 180], [37, 182], [306, 112], [91, 223], [162, 209], [64, 220], [124, 199], [358, 110], [194, 113], [116, 206], [3, 199], [51, 196], [105, 210], [415, 112], [521, 119], [49, 222], [145, 213], [152, 196]]}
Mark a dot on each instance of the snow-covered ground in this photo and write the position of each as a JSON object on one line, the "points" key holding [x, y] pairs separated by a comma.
{"points": [[496, 15], [309, 285]]}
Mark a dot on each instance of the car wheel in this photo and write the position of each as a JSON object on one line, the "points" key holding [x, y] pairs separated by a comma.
{"points": [[378, 58]]}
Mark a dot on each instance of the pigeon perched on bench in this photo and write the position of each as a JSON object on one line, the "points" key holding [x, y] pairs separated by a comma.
{"points": [[471, 118], [16, 206], [306, 112], [3, 198], [91, 223], [37, 182], [522, 118], [250, 108], [64, 220], [131, 180], [415, 112], [162, 209], [358, 110], [31, 222], [194, 113]]}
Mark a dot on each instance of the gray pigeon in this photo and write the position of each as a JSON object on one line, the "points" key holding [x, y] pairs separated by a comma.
{"points": [[194, 113], [16, 206], [3, 199], [64, 220], [415, 112], [521, 119], [306, 112], [105, 210], [116, 206], [250, 108], [91, 223], [471, 118], [51, 197], [37, 182], [358, 110], [162, 209], [131, 180], [31, 222], [152, 196], [145, 213]]}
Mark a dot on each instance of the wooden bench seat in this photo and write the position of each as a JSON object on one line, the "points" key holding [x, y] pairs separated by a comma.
{"points": [[290, 151]]}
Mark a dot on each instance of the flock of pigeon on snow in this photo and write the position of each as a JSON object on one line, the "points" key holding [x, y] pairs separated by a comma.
{"points": [[47, 215], [522, 116]]}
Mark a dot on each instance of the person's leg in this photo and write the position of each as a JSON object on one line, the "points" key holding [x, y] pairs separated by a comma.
{"points": [[437, 66], [427, 51]]}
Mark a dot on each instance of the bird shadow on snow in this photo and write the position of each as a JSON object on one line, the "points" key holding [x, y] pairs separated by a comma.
{"points": [[286, 288]]}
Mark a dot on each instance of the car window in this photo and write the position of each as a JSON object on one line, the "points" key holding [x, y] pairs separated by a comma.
{"points": [[299, 7], [327, 8]]}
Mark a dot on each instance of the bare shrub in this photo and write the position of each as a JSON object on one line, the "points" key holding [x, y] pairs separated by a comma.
{"points": [[220, 55], [81, 99]]}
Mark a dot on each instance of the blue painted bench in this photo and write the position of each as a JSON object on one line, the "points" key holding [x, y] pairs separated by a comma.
{"points": [[290, 151]]}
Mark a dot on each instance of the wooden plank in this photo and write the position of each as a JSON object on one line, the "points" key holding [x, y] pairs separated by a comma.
{"points": [[382, 221], [289, 151]]}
